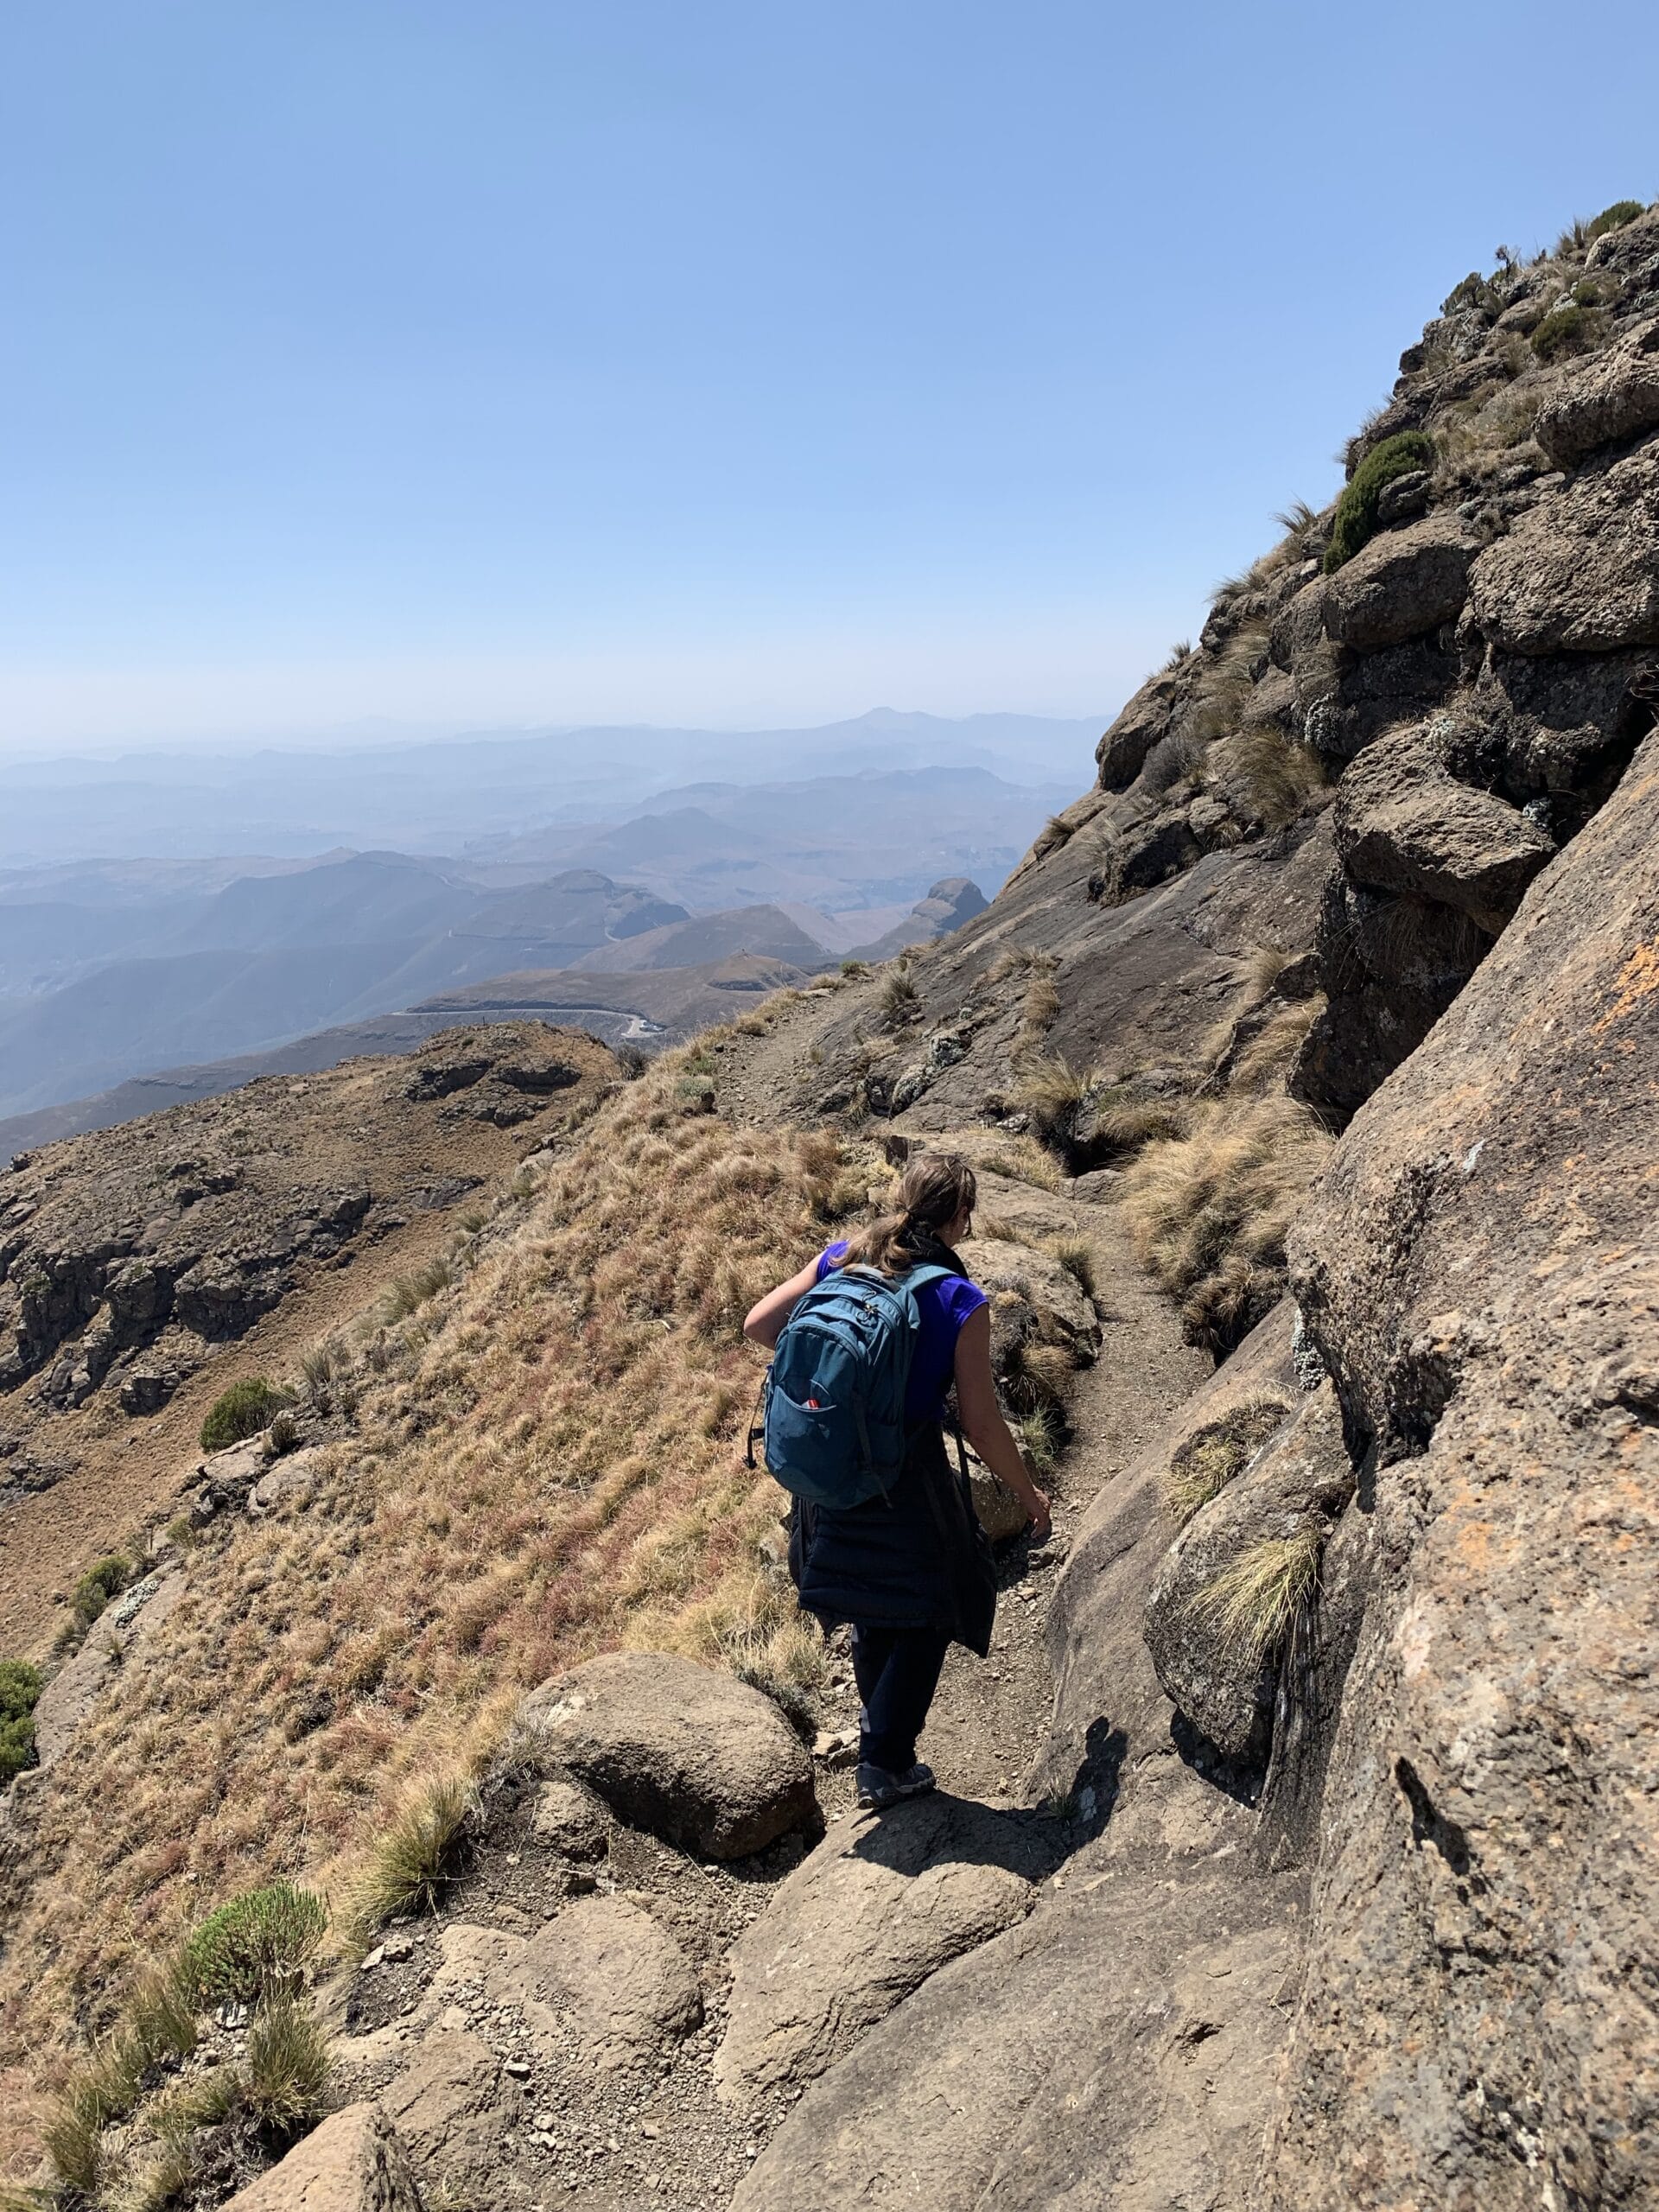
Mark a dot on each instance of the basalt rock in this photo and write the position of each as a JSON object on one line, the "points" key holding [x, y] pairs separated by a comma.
{"points": [[1404, 825], [354, 2162], [1613, 398], [1404, 584], [879, 1906], [1579, 573], [695, 1756], [1478, 1272], [1213, 1671]]}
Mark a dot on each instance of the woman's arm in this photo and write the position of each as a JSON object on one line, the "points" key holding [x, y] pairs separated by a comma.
{"points": [[982, 1422], [766, 1322]]}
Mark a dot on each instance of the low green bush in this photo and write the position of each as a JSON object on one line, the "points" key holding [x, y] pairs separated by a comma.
{"points": [[1356, 515], [1613, 218], [20, 1685], [101, 1582], [242, 1411], [1569, 328], [254, 1948]]}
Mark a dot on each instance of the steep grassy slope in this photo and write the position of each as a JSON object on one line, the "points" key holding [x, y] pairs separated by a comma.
{"points": [[541, 1460]]}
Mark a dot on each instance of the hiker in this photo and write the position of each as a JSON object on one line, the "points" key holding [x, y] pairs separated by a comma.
{"points": [[905, 1561]]}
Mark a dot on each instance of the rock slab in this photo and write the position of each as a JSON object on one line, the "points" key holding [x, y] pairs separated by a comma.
{"points": [[864, 1920], [701, 1760], [354, 2162], [1478, 2027]]}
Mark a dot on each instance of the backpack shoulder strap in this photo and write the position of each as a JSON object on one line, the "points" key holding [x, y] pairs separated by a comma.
{"points": [[917, 1278]]}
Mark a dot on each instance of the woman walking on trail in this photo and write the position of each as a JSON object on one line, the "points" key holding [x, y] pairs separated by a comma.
{"points": [[911, 1569]]}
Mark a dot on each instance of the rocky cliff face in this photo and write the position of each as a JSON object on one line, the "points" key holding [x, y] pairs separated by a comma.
{"points": [[1359, 1656]]}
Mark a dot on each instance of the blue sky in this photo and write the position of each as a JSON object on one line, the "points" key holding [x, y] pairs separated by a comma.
{"points": [[490, 362]]}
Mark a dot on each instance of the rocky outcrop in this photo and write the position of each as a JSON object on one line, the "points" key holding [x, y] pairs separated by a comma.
{"points": [[628, 1981], [1615, 398], [126, 1257], [1579, 573], [877, 1908], [1403, 584], [695, 1756], [355, 2162], [1033, 1297], [1478, 1272], [1405, 825]]}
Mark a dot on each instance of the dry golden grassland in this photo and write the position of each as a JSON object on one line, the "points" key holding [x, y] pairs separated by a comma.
{"points": [[545, 1461]]}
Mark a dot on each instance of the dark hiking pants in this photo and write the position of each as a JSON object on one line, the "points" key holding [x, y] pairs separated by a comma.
{"points": [[897, 1670]]}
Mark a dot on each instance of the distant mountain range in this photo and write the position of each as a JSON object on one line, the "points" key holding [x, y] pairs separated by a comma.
{"points": [[485, 790], [123, 965]]}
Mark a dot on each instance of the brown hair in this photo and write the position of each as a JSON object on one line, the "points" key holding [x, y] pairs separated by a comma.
{"points": [[934, 1189]]}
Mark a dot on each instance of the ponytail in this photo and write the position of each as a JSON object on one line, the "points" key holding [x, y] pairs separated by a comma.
{"points": [[934, 1190]]}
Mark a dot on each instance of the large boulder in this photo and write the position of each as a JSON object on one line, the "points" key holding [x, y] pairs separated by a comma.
{"points": [[1475, 2026], [699, 1759], [354, 2162], [1612, 398], [1404, 584], [1109, 2053], [1122, 752], [1222, 1680], [878, 1907], [1021, 1277], [1404, 824], [1579, 573]]}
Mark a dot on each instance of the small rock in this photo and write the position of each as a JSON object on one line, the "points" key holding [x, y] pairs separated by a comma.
{"points": [[836, 1747]]}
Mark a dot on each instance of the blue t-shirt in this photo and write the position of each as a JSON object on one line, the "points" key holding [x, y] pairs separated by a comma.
{"points": [[943, 1305]]}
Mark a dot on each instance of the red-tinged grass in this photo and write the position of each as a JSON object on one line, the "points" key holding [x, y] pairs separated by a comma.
{"points": [[546, 1462]]}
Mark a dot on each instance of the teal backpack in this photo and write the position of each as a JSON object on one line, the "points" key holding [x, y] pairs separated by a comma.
{"points": [[832, 1406]]}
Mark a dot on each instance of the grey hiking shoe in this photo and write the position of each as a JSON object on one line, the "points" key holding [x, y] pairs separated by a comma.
{"points": [[877, 1789]]}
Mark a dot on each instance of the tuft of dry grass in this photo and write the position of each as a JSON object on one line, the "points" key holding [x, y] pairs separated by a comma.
{"points": [[1023, 1160], [899, 996], [1205, 1209], [285, 2075], [418, 1855], [1036, 1376], [1076, 1255], [1266, 1059], [1122, 1125], [1203, 1466], [1275, 780], [1040, 1435], [1051, 1093], [1255, 1599]]}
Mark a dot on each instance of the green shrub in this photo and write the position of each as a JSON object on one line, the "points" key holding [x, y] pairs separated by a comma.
{"points": [[20, 1685], [1613, 218], [255, 1947], [1355, 516], [1568, 328], [1475, 291], [242, 1411], [107, 1580]]}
